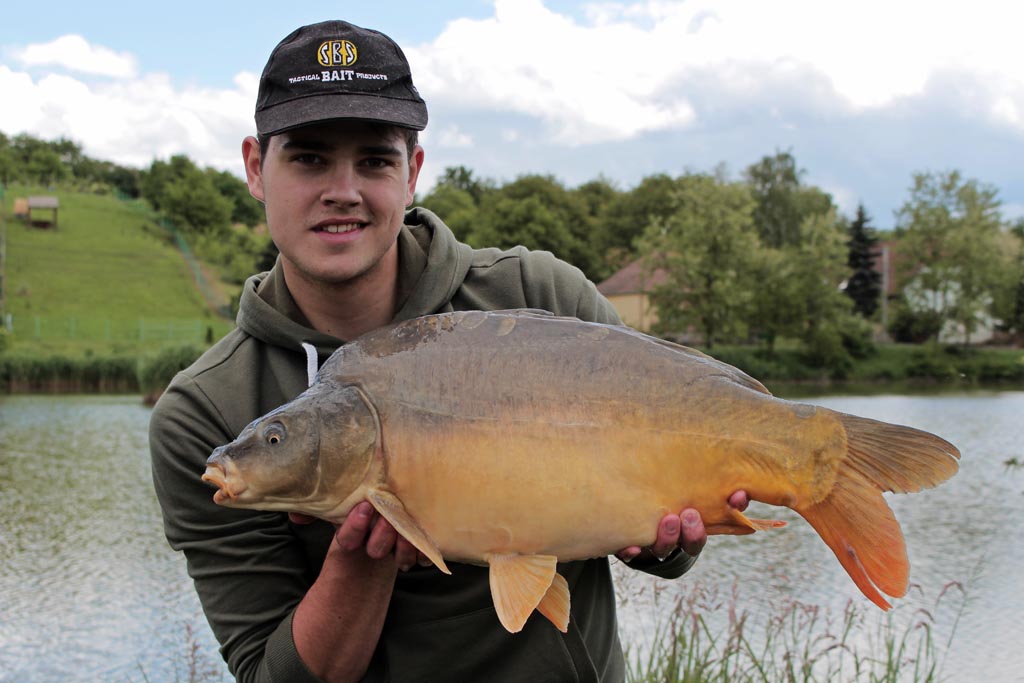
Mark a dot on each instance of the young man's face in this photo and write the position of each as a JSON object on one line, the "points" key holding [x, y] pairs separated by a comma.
{"points": [[335, 195]]}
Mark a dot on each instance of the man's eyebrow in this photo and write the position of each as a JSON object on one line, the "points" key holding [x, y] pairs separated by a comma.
{"points": [[316, 145]]}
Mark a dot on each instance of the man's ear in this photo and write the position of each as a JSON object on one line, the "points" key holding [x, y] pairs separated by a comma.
{"points": [[415, 164], [253, 166]]}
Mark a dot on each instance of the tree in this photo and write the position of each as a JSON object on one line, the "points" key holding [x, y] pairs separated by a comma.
{"points": [[820, 268], [1008, 304], [627, 215], [950, 246], [245, 208], [782, 201], [194, 205], [707, 249], [538, 212], [455, 206], [865, 283]]}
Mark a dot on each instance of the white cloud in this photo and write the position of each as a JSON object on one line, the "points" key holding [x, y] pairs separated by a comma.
{"points": [[74, 53], [631, 68], [132, 121]]}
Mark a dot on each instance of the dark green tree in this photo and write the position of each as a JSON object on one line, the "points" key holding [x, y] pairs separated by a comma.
{"points": [[629, 213], [865, 283], [245, 208], [538, 212]]}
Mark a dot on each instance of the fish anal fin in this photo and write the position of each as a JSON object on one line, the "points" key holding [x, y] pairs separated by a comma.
{"points": [[392, 509], [765, 524], [518, 585], [738, 524], [555, 603]]}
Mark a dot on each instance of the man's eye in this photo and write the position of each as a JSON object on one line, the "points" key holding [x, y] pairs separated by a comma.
{"points": [[376, 162], [307, 159]]}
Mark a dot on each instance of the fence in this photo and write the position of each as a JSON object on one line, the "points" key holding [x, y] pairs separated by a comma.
{"points": [[178, 330]]}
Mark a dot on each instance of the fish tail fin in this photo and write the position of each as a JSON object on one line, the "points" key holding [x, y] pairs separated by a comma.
{"points": [[854, 519]]}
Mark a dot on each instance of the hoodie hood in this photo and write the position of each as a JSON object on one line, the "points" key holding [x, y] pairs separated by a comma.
{"points": [[432, 267]]}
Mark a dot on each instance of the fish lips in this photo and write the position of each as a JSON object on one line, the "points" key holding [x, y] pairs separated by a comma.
{"points": [[223, 474]]}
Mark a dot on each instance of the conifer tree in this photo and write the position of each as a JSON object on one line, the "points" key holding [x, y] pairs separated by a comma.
{"points": [[865, 283]]}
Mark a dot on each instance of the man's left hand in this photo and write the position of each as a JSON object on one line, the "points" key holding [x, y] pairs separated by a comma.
{"points": [[684, 531]]}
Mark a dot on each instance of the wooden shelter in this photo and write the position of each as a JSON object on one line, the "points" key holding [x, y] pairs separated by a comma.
{"points": [[43, 204]]}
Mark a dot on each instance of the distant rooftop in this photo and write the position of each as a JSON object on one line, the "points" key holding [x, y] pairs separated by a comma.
{"points": [[630, 280]]}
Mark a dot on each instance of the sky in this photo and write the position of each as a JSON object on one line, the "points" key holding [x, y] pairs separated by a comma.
{"points": [[863, 94]]}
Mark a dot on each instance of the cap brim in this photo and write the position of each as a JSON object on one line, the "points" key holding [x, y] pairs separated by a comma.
{"points": [[323, 107]]}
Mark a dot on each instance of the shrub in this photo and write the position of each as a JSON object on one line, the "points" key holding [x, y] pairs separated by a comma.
{"points": [[156, 371]]}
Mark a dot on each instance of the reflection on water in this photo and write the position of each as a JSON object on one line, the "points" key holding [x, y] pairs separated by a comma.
{"points": [[89, 589]]}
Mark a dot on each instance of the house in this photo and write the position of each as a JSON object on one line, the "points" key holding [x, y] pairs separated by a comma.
{"points": [[628, 289]]}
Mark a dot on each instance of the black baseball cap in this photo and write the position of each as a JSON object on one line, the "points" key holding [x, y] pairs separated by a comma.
{"points": [[336, 70]]}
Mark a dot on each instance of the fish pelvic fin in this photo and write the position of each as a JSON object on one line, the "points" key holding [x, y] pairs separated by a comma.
{"points": [[555, 603], [521, 583], [854, 519], [392, 509]]}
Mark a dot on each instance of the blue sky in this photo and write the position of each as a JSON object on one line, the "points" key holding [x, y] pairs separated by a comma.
{"points": [[863, 94]]}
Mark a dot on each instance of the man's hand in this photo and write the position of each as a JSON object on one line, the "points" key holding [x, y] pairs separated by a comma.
{"points": [[364, 527], [685, 531]]}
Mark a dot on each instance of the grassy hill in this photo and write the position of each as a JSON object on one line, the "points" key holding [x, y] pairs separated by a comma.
{"points": [[106, 281]]}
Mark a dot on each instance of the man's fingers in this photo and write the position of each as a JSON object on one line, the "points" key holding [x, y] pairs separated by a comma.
{"points": [[693, 536], [352, 533], [739, 500], [405, 554], [382, 540]]}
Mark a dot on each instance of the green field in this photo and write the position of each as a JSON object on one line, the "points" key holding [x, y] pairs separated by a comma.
{"points": [[108, 280]]}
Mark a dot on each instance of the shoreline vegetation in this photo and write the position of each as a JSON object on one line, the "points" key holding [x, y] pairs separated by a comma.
{"points": [[899, 367]]}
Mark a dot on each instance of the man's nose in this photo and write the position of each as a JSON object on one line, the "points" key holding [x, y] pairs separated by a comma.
{"points": [[342, 187]]}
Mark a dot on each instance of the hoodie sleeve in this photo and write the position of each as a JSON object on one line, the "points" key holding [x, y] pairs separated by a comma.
{"points": [[553, 285], [248, 569]]}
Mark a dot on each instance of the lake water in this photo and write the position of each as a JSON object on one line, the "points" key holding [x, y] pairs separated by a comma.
{"points": [[89, 590]]}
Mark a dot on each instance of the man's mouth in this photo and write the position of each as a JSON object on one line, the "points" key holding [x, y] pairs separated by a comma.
{"points": [[339, 228]]}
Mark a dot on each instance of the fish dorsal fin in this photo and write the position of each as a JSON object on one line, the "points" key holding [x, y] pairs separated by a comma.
{"points": [[392, 509], [518, 584], [555, 603]]}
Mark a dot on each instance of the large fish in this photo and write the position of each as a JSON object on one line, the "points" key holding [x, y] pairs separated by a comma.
{"points": [[515, 440]]}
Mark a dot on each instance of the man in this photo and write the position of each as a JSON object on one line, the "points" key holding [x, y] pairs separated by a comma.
{"points": [[294, 599]]}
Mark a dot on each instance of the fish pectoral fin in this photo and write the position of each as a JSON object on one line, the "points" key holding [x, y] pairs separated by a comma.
{"points": [[392, 509], [519, 583], [555, 603]]}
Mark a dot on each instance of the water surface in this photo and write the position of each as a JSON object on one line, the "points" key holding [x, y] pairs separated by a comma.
{"points": [[90, 591]]}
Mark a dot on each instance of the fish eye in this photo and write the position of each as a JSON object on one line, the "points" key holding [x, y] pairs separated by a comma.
{"points": [[274, 434]]}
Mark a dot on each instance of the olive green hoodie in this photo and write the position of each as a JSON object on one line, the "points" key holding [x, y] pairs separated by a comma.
{"points": [[251, 569]]}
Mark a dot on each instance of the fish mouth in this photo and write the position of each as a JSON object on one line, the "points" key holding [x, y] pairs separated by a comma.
{"points": [[226, 490]]}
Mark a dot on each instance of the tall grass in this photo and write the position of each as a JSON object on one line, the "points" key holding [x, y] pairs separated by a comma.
{"points": [[707, 638]]}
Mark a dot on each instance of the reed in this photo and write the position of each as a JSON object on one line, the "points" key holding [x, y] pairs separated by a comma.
{"points": [[708, 638]]}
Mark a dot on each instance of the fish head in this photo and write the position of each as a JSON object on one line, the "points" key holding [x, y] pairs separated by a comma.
{"points": [[306, 456]]}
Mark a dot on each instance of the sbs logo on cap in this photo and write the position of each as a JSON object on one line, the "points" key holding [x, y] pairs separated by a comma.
{"points": [[337, 53]]}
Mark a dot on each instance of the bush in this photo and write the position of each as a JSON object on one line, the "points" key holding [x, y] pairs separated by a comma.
{"points": [[914, 327], [156, 371], [824, 348]]}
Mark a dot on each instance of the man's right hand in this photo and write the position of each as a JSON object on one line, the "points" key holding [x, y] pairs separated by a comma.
{"points": [[363, 526]]}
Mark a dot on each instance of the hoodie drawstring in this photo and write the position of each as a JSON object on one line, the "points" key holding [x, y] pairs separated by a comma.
{"points": [[311, 362]]}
